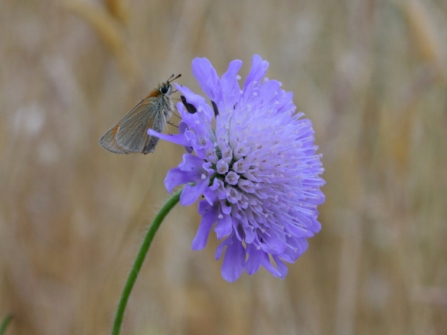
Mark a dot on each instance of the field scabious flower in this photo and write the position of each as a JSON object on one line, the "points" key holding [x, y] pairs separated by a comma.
{"points": [[255, 168]]}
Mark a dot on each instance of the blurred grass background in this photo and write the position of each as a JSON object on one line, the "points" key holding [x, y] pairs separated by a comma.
{"points": [[371, 75]]}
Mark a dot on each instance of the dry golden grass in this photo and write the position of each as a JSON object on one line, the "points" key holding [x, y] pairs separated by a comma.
{"points": [[369, 74]]}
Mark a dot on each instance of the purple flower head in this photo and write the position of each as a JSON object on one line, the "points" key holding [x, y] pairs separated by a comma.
{"points": [[255, 167]]}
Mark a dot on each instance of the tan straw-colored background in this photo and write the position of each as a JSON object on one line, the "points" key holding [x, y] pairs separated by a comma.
{"points": [[371, 75]]}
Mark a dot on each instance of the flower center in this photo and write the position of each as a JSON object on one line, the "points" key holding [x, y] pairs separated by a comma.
{"points": [[233, 172]]}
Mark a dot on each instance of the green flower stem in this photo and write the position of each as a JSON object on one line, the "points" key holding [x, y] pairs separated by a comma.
{"points": [[140, 259], [5, 323]]}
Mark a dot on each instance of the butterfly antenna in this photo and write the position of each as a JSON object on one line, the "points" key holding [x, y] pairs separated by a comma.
{"points": [[172, 79]]}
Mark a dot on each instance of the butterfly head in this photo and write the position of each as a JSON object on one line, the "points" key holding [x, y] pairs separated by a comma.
{"points": [[166, 87]]}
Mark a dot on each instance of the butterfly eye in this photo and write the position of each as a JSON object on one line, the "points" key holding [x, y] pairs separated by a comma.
{"points": [[165, 89]]}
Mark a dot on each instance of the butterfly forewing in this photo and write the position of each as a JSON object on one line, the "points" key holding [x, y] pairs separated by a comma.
{"points": [[132, 132], [108, 141]]}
